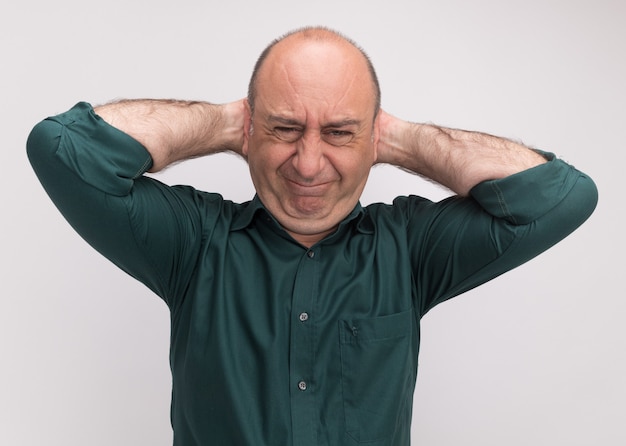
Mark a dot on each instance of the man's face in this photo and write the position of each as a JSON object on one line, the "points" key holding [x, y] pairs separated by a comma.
{"points": [[311, 140]]}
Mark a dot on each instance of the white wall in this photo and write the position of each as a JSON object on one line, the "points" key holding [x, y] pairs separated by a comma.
{"points": [[535, 357]]}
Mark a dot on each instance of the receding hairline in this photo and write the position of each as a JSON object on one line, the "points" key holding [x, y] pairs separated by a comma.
{"points": [[319, 34]]}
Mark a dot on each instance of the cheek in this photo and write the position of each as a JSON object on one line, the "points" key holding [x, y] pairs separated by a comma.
{"points": [[265, 156], [356, 166], [258, 149]]}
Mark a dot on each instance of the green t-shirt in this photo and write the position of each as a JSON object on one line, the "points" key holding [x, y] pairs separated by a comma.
{"points": [[273, 343]]}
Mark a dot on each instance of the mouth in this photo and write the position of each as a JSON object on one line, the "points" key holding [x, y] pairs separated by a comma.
{"points": [[308, 190]]}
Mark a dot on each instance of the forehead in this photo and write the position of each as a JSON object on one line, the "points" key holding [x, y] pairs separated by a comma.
{"points": [[315, 78]]}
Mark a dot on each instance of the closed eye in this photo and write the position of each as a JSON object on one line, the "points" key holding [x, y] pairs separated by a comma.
{"points": [[287, 134], [337, 137]]}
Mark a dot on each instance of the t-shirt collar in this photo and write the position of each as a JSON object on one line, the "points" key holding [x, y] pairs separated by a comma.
{"points": [[249, 210]]}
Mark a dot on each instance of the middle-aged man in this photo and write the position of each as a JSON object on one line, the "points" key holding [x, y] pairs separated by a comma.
{"points": [[295, 316]]}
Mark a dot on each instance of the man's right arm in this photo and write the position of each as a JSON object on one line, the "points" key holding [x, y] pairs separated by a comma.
{"points": [[173, 131], [92, 169]]}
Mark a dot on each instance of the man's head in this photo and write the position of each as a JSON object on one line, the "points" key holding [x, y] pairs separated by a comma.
{"points": [[315, 33], [311, 131]]}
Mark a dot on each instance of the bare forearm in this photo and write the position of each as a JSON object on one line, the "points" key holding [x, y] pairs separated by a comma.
{"points": [[456, 159], [176, 130]]}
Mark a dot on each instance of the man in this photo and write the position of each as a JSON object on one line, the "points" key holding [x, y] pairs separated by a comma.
{"points": [[295, 316]]}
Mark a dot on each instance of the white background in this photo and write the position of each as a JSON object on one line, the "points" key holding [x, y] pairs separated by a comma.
{"points": [[536, 357]]}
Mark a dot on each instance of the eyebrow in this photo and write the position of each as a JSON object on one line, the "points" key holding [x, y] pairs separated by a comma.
{"points": [[334, 124], [343, 123], [283, 120]]}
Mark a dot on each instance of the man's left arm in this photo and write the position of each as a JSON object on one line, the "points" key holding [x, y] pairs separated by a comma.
{"points": [[518, 204], [457, 159]]}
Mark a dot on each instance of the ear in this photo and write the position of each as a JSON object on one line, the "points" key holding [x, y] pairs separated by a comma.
{"points": [[247, 127]]}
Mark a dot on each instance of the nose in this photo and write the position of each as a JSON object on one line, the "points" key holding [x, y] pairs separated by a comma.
{"points": [[309, 158]]}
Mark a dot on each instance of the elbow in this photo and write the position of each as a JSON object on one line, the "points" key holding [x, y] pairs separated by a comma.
{"points": [[42, 144], [587, 197]]}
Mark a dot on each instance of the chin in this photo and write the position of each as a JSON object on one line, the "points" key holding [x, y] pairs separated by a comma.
{"points": [[308, 207]]}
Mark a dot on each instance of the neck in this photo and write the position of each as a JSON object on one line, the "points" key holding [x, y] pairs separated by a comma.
{"points": [[309, 240]]}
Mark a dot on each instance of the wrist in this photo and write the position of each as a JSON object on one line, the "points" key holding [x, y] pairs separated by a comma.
{"points": [[390, 144], [401, 143], [231, 134]]}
